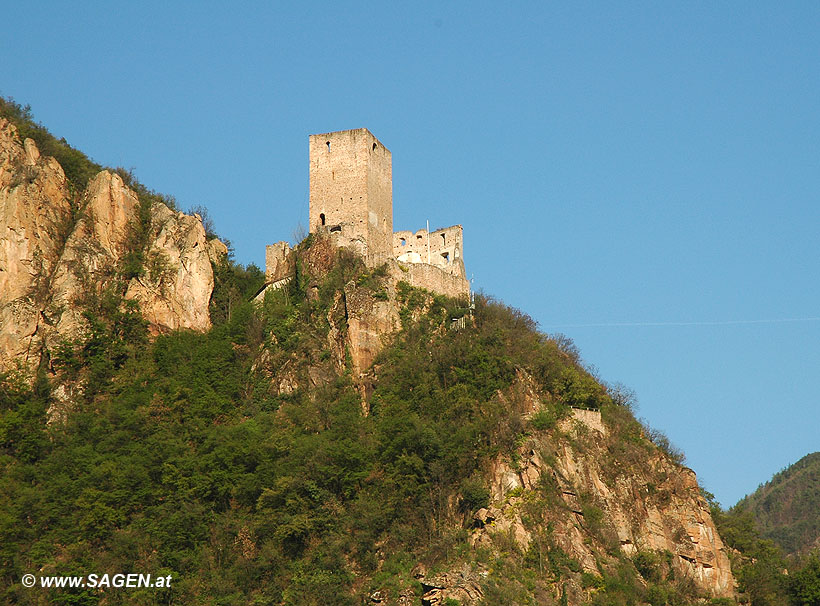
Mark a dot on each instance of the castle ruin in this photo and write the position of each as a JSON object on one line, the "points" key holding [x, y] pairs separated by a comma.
{"points": [[351, 202]]}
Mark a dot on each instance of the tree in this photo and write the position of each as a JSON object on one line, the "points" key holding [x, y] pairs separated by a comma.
{"points": [[804, 585]]}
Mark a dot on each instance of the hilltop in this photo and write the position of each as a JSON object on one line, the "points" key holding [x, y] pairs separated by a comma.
{"points": [[787, 507], [346, 437]]}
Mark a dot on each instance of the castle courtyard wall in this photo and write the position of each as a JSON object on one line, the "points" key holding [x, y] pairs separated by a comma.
{"points": [[432, 278], [279, 263]]}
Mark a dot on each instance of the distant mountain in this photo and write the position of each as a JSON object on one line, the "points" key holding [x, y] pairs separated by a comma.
{"points": [[787, 508]]}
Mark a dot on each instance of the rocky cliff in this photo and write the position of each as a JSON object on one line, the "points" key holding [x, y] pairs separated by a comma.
{"points": [[592, 489], [645, 506], [60, 248]]}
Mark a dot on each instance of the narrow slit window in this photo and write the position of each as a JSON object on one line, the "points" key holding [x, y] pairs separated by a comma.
{"points": [[328, 146], [322, 219]]}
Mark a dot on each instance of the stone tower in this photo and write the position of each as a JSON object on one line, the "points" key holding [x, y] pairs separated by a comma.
{"points": [[351, 192]]}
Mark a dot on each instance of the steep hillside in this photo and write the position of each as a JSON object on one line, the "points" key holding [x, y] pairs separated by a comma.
{"points": [[343, 439], [245, 462], [76, 243], [787, 507]]}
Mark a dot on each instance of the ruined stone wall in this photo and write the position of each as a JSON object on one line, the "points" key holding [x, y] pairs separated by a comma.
{"points": [[435, 279], [351, 191], [279, 262], [445, 248], [351, 203]]}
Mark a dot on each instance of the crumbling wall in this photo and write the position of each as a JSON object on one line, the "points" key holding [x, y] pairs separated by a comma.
{"points": [[351, 204], [442, 248], [279, 262], [435, 279]]}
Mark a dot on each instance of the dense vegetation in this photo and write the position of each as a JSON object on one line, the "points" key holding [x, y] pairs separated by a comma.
{"points": [[787, 507], [774, 532], [765, 575], [182, 456]]}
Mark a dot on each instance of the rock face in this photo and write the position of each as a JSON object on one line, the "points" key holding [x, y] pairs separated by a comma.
{"points": [[368, 315], [655, 506], [370, 324], [34, 202], [464, 586], [88, 261], [57, 249], [176, 290]]}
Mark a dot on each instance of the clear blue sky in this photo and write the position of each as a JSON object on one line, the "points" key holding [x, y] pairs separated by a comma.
{"points": [[611, 163]]}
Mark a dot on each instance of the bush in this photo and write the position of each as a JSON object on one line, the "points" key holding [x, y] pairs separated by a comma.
{"points": [[648, 565], [543, 419], [662, 441], [474, 494], [78, 168], [580, 390]]}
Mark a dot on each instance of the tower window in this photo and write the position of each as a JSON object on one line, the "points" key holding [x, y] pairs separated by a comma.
{"points": [[403, 242], [446, 257], [328, 146], [322, 219], [443, 238], [374, 147]]}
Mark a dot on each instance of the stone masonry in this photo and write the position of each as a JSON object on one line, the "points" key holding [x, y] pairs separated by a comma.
{"points": [[351, 202], [351, 192], [441, 248]]}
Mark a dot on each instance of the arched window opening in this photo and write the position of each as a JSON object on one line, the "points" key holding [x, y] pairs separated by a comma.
{"points": [[328, 146], [322, 219]]}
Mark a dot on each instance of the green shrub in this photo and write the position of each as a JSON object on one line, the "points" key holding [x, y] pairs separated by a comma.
{"points": [[580, 390], [648, 565], [589, 580], [78, 168], [474, 494], [543, 419]]}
